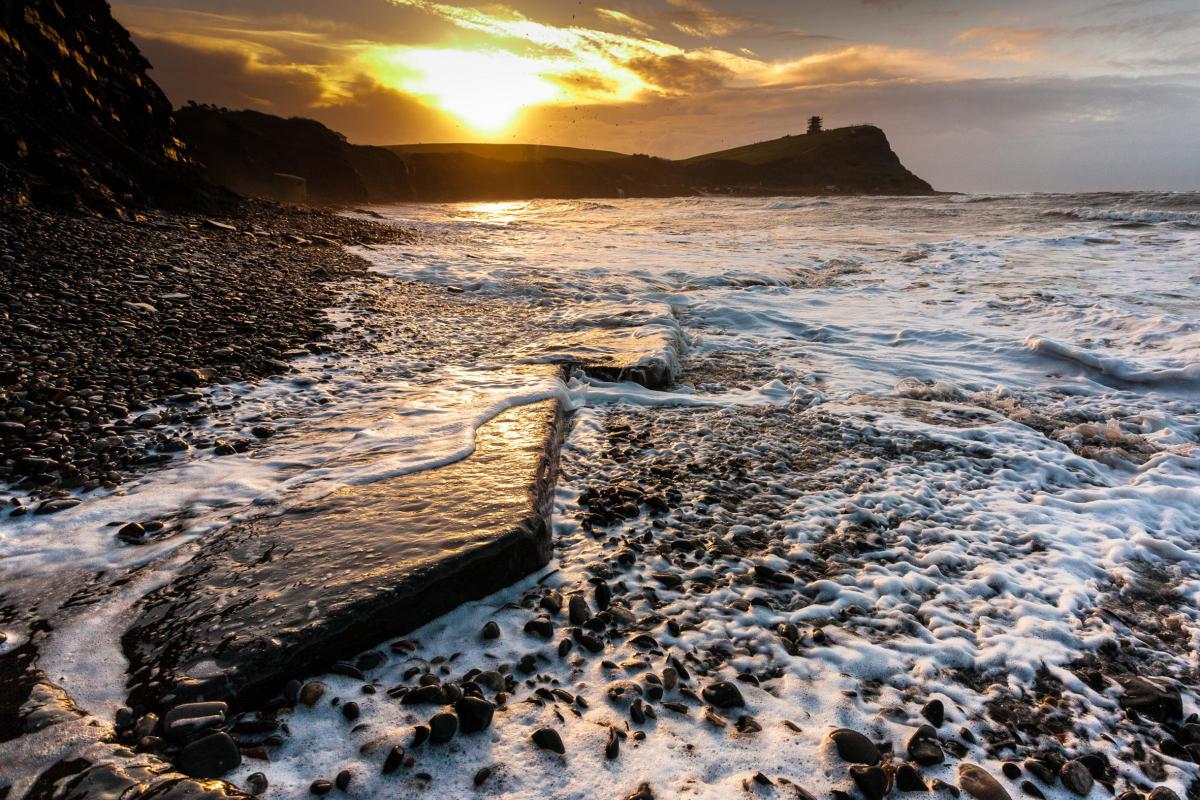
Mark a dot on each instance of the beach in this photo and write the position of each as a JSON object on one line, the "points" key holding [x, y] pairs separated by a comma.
{"points": [[819, 495]]}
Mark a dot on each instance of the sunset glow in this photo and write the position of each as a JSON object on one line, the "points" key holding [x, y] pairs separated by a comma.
{"points": [[485, 89], [680, 77]]}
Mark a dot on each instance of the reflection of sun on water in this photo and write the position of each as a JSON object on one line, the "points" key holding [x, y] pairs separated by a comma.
{"points": [[485, 89]]}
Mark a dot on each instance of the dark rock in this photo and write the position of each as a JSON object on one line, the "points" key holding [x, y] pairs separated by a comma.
{"points": [[1162, 793], [855, 748], [935, 712], [320, 788], [1030, 789], [873, 782], [540, 626], [186, 719], [56, 505], [1011, 771], [311, 693], [1041, 771], [939, 785], [342, 781], [491, 630], [577, 610], [1076, 777], [1153, 698], [978, 783], [548, 739], [723, 694], [602, 595], [393, 760], [908, 779], [474, 714], [442, 727], [482, 775], [643, 792], [612, 748], [209, 757], [256, 783], [350, 711], [923, 747], [420, 736]]}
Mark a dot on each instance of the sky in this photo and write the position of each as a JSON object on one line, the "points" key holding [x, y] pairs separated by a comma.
{"points": [[1026, 95]]}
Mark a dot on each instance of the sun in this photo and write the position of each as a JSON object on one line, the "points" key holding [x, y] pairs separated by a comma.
{"points": [[484, 88]]}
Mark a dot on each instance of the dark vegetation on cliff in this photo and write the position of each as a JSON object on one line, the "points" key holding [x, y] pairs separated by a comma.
{"points": [[81, 124]]}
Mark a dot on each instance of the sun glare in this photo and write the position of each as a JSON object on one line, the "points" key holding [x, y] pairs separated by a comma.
{"points": [[485, 89]]}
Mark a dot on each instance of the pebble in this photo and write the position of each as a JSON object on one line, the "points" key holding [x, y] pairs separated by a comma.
{"points": [[320, 788], [442, 727], [642, 792], [393, 760], [1030, 788], [482, 775], [723, 694], [474, 714], [612, 747], [1076, 777], [873, 781], [209, 757], [491, 630], [855, 748], [342, 780], [935, 712], [908, 779], [312, 693], [257, 783], [979, 783], [548, 739], [923, 747]]}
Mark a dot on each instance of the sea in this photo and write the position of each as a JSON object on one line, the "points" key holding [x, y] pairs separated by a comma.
{"points": [[999, 399]]}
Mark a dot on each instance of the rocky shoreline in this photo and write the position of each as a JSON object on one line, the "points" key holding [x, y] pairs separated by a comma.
{"points": [[111, 327]]}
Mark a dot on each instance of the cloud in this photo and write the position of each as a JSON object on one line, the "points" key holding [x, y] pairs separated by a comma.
{"points": [[624, 20], [678, 74], [693, 18], [1003, 43], [860, 63]]}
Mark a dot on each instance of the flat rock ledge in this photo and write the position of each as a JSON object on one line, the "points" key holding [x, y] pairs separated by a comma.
{"points": [[648, 355], [280, 597]]}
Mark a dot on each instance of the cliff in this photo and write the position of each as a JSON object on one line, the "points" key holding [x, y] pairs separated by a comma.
{"points": [[248, 151], [81, 124], [853, 160]]}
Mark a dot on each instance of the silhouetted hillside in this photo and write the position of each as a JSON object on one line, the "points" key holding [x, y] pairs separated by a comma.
{"points": [[81, 124], [258, 154], [254, 153], [855, 160]]}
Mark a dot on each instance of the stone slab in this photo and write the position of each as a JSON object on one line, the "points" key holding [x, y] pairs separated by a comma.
{"points": [[646, 354], [281, 597]]}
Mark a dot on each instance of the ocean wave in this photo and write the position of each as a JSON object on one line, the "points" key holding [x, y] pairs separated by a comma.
{"points": [[1119, 368], [1140, 216], [788, 205]]}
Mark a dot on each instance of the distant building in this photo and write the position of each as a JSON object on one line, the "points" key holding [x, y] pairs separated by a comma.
{"points": [[814, 124]]}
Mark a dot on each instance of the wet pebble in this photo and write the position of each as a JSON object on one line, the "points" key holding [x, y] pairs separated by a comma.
{"points": [[548, 739], [855, 748]]}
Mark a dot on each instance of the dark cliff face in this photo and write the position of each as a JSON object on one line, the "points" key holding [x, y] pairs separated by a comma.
{"points": [[81, 123], [247, 151], [855, 160]]}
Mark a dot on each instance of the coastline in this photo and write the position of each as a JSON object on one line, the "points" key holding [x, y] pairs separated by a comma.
{"points": [[763, 568]]}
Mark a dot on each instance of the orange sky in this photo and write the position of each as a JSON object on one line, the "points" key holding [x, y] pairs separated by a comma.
{"points": [[1057, 94]]}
